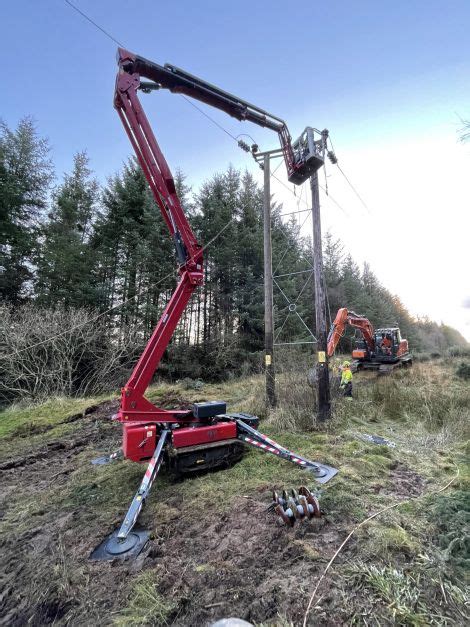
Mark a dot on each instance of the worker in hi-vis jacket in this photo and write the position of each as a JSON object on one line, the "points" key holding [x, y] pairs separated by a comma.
{"points": [[346, 380]]}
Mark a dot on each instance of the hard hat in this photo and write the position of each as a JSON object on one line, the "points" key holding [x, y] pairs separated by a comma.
{"points": [[346, 364]]}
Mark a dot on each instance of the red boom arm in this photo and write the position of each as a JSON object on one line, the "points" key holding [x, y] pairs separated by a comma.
{"points": [[302, 159], [134, 407]]}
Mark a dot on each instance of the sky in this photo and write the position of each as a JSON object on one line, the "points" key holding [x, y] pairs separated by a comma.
{"points": [[389, 80]]}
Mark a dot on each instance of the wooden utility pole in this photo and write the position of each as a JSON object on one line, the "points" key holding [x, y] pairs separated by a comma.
{"points": [[268, 290], [323, 377]]}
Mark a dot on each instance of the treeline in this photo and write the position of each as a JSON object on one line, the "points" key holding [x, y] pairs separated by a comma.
{"points": [[105, 251]]}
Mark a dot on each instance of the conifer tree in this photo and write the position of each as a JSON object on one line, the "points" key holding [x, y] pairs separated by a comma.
{"points": [[133, 251], [65, 262], [26, 173]]}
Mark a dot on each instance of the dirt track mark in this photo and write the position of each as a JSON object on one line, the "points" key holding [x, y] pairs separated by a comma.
{"points": [[245, 558]]}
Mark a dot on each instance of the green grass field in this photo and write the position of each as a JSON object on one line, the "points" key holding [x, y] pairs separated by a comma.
{"points": [[406, 567]]}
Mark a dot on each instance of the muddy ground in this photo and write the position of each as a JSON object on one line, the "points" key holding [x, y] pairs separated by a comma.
{"points": [[240, 563]]}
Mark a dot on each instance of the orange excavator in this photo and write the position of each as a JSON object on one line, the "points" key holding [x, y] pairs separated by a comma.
{"points": [[380, 349]]}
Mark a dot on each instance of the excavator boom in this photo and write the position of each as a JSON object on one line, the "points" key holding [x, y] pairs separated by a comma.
{"points": [[344, 317]]}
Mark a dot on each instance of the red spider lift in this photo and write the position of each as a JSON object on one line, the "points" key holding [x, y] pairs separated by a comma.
{"points": [[205, 436]]}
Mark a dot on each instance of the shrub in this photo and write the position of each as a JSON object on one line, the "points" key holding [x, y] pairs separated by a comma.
{"points": [[459, 351], [463, 371], [217, 361], [54, 352]]}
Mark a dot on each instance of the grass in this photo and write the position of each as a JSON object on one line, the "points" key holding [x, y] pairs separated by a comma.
{"points": [[402, 596], [389, 540], [23, 420], [401, 566], [146, 605]]}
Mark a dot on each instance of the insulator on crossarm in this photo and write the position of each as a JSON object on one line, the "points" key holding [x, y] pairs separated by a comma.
{"points": [[332, 157], [243, 145]]}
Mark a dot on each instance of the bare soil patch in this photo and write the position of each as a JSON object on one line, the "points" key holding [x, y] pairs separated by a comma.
{"points": [[405, 482]]}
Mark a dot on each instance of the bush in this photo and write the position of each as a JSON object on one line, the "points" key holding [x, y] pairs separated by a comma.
{"points": [[54, 352], [422, 357], [217, 361], [459, 351], [463, 371]]}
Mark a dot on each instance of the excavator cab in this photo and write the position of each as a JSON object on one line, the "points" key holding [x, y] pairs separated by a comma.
{"points": [[388, 342]]}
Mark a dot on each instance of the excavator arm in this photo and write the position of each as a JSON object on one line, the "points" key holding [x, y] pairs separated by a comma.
{"points": [[302, 159], [343, 318]]}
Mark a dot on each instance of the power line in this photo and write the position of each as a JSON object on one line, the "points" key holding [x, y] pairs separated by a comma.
{"points": [[223, 129], [354, 189], [75, 8], [204, 113], [348, 181]]}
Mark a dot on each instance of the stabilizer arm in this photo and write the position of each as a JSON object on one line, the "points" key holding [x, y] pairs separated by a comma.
{"points": [[251, 437], [141, 494]]}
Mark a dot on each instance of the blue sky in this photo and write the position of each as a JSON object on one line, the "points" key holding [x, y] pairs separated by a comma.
{"points": [[380, 75]]}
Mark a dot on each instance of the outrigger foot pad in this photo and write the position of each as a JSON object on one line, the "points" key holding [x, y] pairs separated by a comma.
{"points": [[114, 548], [322, 472]]}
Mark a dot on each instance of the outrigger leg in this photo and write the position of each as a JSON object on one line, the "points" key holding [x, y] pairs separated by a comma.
{"points": [[125, 542], [321, 472]]}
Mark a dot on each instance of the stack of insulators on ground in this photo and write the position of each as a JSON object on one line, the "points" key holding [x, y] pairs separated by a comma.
{"points": [[295, 506]]}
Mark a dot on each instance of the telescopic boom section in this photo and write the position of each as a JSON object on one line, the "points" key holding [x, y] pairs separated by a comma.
{"points": [[344, 317], [302, 158]]}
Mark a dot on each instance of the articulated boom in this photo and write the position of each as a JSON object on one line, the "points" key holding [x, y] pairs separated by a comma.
{"points": [[134, 407], [205, 436], [302, 159]]}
